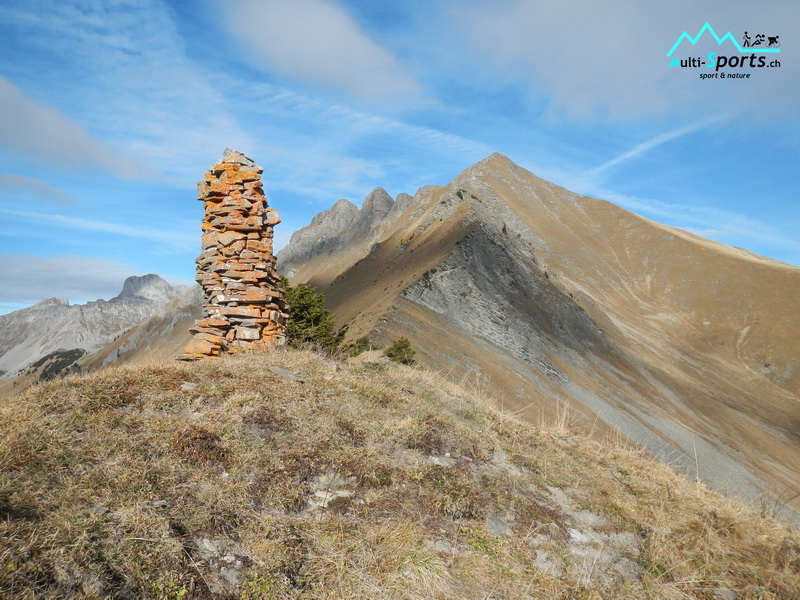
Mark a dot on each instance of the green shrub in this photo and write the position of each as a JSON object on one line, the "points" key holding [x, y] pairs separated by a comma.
{"points": [[362, 344], [400, 351]]}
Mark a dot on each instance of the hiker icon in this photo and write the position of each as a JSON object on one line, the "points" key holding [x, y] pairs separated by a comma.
{"points": [[773, 42], [746, 43]]}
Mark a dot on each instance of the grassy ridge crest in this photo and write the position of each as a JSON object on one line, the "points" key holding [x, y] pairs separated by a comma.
{"points": [[228, 479]]}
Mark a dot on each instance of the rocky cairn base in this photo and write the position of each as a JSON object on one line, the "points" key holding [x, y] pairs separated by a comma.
{"points": [[243, 302]]}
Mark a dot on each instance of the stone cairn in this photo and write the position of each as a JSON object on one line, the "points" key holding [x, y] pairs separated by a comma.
{"points": [[243, 302]]}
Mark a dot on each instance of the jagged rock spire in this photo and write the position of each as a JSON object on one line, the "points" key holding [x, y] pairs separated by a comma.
{"points": [[243, 302]]}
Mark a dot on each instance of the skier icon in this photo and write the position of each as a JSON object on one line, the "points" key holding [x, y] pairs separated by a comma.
{"points": [[773, 41], [759, 39], [746, 43]]}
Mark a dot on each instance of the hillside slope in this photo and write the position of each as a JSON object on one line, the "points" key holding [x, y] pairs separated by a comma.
{"points": [[684, 345], [31, 333], [228, 478], [161, 336]]}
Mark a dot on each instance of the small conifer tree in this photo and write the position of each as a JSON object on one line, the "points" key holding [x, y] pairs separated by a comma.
{"points": [[310, 324]]}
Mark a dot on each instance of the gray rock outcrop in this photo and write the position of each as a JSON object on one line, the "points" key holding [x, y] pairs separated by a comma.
{"points": [[29, 334], [339, 227]]}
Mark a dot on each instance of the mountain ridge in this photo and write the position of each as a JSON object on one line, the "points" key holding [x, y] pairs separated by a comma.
{"points": [[337, 227], [29, 334], [695, 355]]}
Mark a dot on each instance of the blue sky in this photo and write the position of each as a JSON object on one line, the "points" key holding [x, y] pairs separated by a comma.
{"points": [[111, 111]]}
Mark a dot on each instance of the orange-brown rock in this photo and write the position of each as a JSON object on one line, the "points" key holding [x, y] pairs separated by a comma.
{"points": [[241, 311], [211, 322], [199, 348], [244, 304]]}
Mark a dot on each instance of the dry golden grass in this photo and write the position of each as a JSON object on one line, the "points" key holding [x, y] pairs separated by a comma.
{"points": [[225, 479]]}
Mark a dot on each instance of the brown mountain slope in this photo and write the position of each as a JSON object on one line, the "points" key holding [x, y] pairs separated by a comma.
{"points": [[162, 337], [685, 345]]}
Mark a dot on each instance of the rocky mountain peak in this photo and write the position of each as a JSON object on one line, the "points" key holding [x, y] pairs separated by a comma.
{"points": [[377, 204], [337, 217], [373, 211], [148, 287], [28, 334], [51, 302], [336, 228]]}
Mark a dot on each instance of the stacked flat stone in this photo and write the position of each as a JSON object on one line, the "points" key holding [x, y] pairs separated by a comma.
{"points": [[243, 302]]}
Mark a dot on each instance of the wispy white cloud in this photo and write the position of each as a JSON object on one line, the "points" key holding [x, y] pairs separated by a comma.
{"points": [[45, 134], [80, 224], [28, 279], [319, 176], [350, 122], [39, 189], [160, 82], [318, 42], [654, 142], [321, 148], [121, 71]]}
